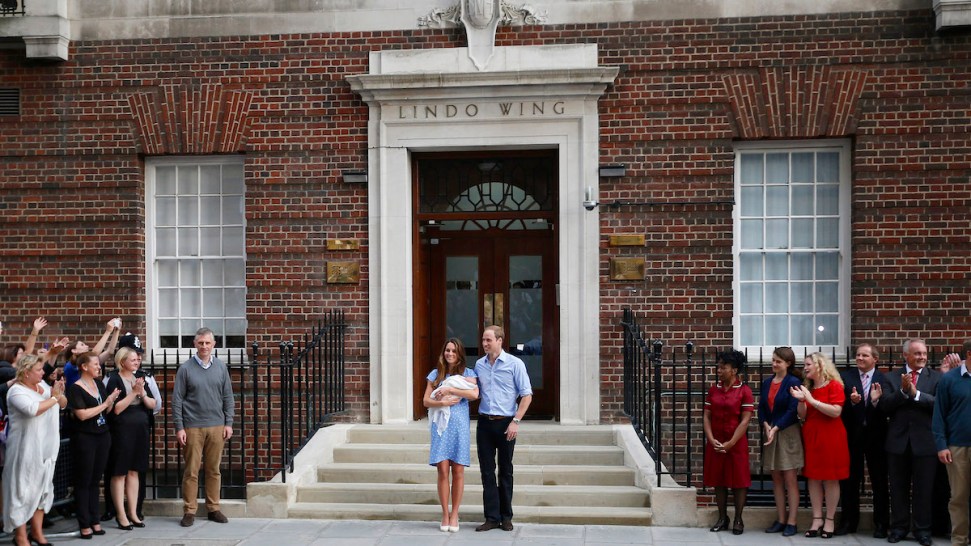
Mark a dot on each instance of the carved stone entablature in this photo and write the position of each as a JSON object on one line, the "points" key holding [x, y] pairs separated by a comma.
{"points": [[510, 15]]}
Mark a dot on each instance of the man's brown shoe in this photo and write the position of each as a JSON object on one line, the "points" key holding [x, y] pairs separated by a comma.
{"points": [[218, 517], [487, 526], [187, 520], [506, 525]]}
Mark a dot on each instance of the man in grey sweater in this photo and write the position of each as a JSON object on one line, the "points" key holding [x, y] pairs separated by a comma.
{"points": [[202, 408]]}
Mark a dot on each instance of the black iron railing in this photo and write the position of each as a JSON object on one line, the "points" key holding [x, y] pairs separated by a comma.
{"points": [[311, 386], [12, 7], [664, 394], [281, 400]]}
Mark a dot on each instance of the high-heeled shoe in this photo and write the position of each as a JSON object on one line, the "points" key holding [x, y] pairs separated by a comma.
{"points": [[31, 539], [738, 527], [826, 534], [98, 532], [139, 524], [813, 532], [128, 527], [720, 525], [88, 536]]}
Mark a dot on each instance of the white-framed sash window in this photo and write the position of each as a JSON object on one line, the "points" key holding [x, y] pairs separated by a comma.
{"points": [[791, 245], [196, 251]]}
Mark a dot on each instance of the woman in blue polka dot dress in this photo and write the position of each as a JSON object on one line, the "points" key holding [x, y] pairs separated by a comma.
{"points": [[447, 400]]}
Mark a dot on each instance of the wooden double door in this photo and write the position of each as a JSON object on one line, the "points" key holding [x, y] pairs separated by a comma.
{"points": [[491, 272]]}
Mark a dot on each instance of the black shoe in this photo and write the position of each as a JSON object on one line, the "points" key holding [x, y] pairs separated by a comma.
{"points": [[139, 524], [925, 540], [813, 533], [506, 525], [776, 527], [488, 526], [827, 534], [88, 536], [844, 530], [31, 539], [128, 527], [720, 525], [895, 537], [108, 516], [738, 527], [98, 532], [880, 531]]}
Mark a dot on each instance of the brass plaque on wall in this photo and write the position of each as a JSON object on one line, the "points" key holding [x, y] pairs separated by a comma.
{"points": [[627, 240], [627, 269], [343, 272], [343, 244]]}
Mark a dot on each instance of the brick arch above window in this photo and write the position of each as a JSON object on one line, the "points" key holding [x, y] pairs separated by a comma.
{"points": [[794, 102], [204, 119]]}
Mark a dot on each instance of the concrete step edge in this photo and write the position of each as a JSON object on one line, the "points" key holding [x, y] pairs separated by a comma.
{"points": [[472, 514], [519, 448], [552, 489]]}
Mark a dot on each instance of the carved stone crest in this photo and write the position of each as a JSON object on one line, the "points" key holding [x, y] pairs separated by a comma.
{"points": [[480, 13], [480, 19]]}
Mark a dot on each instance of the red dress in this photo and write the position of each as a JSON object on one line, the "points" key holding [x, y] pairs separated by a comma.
{"points": [[729, 469], [824, 438]]}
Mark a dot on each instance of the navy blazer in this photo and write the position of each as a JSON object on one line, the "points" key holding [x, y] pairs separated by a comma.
{"points": [[784, 413], [855, 415], [910, 420]]}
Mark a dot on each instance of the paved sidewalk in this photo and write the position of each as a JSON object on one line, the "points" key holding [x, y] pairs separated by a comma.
{"points": [[162, 531]]}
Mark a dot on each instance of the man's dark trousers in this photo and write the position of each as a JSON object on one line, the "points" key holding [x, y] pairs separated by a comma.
{"points": [[490, 439], [866, 434], [863, 447]]}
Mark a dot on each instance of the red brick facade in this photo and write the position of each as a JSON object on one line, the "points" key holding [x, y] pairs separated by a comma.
{"points": [[72, 168]]}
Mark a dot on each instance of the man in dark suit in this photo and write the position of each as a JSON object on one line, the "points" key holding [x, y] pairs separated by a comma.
{"points": [[866, 432], [911, 455]]}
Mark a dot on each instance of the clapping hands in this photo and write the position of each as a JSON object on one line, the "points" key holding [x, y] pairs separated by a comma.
{"points": [[57, 390], [907, 385]]}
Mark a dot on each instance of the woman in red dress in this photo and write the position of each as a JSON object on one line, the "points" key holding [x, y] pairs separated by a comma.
{"points": [[728, 409], [824, 439]]}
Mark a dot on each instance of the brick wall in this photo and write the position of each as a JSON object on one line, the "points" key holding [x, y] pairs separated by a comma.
{"points": [[72, 167]]}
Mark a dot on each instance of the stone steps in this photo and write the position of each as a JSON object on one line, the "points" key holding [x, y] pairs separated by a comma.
{"points": [[564, 474], [566, 435], [471, 514], [525, 495], [525, 475], [525, 454]]}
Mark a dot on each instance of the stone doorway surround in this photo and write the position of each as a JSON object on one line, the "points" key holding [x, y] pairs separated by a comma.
{"points": [[436, 100]]}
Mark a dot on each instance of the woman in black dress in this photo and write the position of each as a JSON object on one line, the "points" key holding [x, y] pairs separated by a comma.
{"points": [[90, 441], [129, 435]]}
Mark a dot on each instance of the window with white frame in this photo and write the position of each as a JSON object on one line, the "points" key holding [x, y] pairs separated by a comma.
{"points": [[792, 245], [196, 257]]}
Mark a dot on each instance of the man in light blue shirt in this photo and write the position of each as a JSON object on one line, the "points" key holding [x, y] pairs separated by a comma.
{"points": [[502, 378]]}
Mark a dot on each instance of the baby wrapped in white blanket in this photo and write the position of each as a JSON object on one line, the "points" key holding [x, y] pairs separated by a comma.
{"points": [[440, 415]]}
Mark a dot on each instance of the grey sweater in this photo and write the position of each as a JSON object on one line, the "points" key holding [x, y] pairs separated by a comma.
{"points": [[202, 398]]}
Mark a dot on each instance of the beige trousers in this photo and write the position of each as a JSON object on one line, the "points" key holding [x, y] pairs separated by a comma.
{"points": [[202, 445]]}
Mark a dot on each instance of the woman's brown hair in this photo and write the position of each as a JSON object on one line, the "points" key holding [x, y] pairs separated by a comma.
{"points": [[442, 366], [787, 355]]}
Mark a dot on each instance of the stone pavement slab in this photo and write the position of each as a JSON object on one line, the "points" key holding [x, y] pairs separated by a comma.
{"points": [[164, 531]]}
